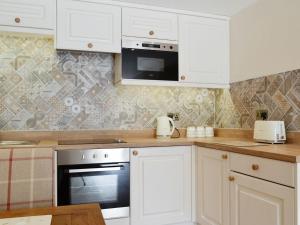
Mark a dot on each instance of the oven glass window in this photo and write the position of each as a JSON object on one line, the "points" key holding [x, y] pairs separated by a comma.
{"points": [[106, 184], [150, 64], [93, 188]]}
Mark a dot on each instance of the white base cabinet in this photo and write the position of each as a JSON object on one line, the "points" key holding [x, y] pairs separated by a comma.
{"points": [[212, 187], [236, 189], [259, 202], [161, 186]]}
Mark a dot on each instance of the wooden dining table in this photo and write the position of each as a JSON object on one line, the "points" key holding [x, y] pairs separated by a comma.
{"points": [[88, 214]]}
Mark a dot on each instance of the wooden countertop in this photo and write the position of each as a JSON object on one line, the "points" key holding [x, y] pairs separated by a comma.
{"points": [[283, 152], [89, 214]]}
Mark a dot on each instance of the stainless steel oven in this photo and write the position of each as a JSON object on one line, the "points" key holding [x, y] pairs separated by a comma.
{"points": [[95, 176], [148, 60]]}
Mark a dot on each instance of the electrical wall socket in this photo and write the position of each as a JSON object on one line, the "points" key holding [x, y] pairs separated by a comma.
{"points": [[262, 114], [174, 116]]}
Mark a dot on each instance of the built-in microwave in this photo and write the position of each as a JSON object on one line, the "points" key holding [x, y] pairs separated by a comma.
{"points": [[147, 60]]}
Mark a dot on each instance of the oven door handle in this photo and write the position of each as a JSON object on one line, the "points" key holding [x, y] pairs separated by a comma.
{"points": [[94, 170]]}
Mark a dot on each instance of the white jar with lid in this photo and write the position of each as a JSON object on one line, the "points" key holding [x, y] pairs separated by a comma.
{"points": [[191, 132], [209, 131], [200, 132]]}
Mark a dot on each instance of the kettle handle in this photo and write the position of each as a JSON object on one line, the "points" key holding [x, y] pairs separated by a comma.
{"points": [[173, 125]]}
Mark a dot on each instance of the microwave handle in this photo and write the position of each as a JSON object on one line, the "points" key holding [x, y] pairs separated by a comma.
{"points": [[94, 170]]}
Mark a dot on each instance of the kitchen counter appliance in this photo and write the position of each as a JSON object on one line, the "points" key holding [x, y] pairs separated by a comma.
{"points": [[270, 132], [147, 60], [165, 127], [95, 176]]}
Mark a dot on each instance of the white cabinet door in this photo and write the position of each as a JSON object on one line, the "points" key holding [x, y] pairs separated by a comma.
{"points": [[149, 24], [203, 50], [161, 189], [88, 26], [259, 202], [212, 187], [28, 13]]}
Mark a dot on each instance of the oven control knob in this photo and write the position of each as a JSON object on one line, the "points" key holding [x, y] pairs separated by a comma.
{"points": [[105, 155], [83, 157], [94, 156]]}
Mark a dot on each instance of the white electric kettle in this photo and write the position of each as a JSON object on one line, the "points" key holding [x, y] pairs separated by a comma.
{"points": [[164, 128]]}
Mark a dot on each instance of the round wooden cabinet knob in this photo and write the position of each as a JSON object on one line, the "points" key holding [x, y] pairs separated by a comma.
{"points": [[224, 156], [255, 167], [17, 20], [135, 153], [231, 178], [151, 32], [90, 45], [182, 77]]}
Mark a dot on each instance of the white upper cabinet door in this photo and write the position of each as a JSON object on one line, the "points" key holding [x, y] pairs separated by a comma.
{"points": [[149, 24], [161, 186], [88, 26], [259, 202], [203, 50], [28, 13], [212, 187]]}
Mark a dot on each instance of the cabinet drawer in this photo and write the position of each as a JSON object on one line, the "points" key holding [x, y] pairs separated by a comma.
{"points": [[27, 13], [149, 24], [268, 169]]}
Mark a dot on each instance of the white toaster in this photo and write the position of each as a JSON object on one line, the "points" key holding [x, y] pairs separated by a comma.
{"points": [[269, 132]]}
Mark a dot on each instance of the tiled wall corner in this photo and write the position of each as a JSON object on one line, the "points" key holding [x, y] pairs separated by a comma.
{"points": [[279, 94]]}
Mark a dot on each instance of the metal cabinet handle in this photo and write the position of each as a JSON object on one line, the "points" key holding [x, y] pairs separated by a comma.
{"points": [[231, 178], [224, 156], [255, 167], [17, 20], [135, 153], [90, 45], [94, 170], [151, 32]]}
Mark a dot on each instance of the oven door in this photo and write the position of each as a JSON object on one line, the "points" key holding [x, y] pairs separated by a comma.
{"points": [[106, 184], [149, 64]]}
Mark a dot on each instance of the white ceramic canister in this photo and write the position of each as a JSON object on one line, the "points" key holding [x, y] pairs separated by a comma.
{"points": [[209, 131], [191, 132], [200, 132]]}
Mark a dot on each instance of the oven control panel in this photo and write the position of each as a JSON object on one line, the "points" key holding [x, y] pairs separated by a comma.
{"points": [[71, 157]]}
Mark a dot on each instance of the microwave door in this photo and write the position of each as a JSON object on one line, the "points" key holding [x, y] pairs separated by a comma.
{"points": [[149, 64]]}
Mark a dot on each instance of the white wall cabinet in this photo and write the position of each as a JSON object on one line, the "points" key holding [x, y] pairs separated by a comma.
{"points": [[212, 187], [259, 202], [203, 51], [161, 186], [149, 24], [37, 14], [88, 26]]}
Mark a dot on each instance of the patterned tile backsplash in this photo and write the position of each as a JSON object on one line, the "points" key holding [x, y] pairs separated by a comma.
{"points": [[41, 89], [278, 94]]}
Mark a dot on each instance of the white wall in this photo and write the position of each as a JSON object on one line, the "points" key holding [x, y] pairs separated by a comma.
{"points": [[265, 39], [219, 7]]}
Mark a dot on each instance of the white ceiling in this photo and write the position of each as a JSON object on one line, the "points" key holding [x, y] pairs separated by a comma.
{"points": [[219, 7]]}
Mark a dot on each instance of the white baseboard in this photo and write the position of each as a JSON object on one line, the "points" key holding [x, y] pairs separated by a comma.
{"points": [[122, 221], [126, 221]]}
